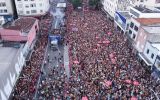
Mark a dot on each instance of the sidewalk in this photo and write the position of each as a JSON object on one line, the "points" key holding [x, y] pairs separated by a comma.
{"points": [[66, 61]]}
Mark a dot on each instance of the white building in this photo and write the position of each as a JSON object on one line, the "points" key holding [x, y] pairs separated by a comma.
{"points": [[6, 7], [144, 12], [151, 55], [110, 6], [32, 7], [148, 3], [151, 52], [6, 10]]}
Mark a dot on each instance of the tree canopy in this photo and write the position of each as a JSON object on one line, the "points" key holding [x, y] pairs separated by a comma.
{"points": [[76, 3], [94, 3]]}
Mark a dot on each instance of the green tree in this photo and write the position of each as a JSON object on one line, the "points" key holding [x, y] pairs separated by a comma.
{"points": [[94, 4], [76, 3]]}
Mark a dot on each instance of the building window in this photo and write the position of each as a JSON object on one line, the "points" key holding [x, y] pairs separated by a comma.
{"points": [[33, 11], [131, 25], [3, 4], [20, 12], [136, 28], [33, 5], [152, 56], [27, 6], [41, 11], [27, 12], [130, 32], [5, 11], [141, 0], [1, 11], [134, 36], [20, 5], [40, 4], [147, 51], [18, 0]]}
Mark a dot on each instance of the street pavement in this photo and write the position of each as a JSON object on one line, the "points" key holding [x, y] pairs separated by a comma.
{"points": [[54, 61]]}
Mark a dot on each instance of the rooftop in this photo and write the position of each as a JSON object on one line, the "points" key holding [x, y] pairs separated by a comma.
{"points": [[125, 14], [7, 54], [23, 24], [156, 45], [148, 21], [154, 38], [152, 29], [147, 10]]}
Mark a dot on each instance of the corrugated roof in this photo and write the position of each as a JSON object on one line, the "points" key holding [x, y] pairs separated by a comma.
{"points": [[148, 21], [23, 24]]}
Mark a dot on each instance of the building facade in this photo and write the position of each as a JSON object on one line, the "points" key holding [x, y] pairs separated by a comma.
{"points": [[156, 66], [151, 55], [144, 12], [110, 6], [32, 7], [137, 23], [151, 3], [147, 33], [122, 21], [7, 11], [133, 29], [21, 30]]}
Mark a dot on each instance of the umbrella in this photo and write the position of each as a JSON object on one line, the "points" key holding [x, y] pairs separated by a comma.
{"points": [[107, 83], [111, 55], [84, 98], [104, 42], [113, 61], [99, 42], [98, 45], [97, 37], [134, 98], [76, 62], [109, 33], [95, 49], [128, 81], [136, 83], [107, 41]]}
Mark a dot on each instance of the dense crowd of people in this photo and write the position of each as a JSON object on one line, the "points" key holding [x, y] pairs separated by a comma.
{"points": [[102, 65], [53, 79], [27, 82]]}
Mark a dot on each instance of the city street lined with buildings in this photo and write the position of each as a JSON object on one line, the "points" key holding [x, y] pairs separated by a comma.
{"points": [[65, 50]]}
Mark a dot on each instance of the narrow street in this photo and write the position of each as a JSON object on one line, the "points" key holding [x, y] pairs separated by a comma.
{"points": [[56, 63]]}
